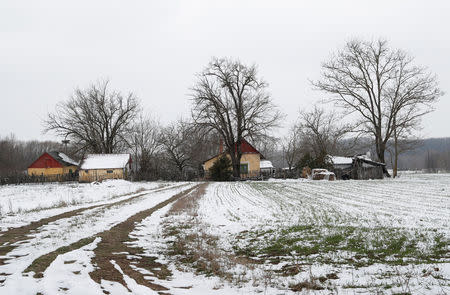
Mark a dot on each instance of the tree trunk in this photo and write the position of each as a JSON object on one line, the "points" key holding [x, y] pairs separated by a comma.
{"points": [[395, 166], [236, 164], [381, 149]]}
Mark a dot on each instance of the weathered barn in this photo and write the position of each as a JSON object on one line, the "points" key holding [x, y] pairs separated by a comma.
{"points": [[357, 167], [53, 165], [98, 167], [250, 161]]}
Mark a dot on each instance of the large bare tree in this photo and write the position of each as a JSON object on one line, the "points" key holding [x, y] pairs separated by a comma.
{"points": [[381, 85], [144, 140], [96, 119], [231, 99]]}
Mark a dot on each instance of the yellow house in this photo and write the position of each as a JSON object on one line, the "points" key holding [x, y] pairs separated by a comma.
{"points": [[98, 167], [53, 165], [250, 161]]}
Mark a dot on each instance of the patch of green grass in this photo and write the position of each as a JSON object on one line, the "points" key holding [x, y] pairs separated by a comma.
{"points": [[366, 246]]}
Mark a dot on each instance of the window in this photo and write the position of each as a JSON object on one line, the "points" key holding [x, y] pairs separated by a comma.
{"points": [[109, 171], [244, 168]]}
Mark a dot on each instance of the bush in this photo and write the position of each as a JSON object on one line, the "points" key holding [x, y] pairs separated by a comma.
{"points": [[308, 160], [221, 169]]}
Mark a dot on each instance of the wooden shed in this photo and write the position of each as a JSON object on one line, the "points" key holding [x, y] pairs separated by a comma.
{"points": [[357, 167], [53, 165], [98, 167]]}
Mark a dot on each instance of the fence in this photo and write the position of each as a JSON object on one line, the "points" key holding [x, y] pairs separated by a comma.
{"points": [[24, 178]]}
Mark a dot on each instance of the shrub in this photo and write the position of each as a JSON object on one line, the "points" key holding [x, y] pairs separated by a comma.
{"points": [[221, 169]]}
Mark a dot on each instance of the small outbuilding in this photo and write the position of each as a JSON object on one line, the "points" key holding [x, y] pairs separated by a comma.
{"points": [[357, 167], [53, 164], [98, 167], [266, 168]]}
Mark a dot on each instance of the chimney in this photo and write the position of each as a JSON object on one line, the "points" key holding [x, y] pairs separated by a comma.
{"points": [[220, 146]]}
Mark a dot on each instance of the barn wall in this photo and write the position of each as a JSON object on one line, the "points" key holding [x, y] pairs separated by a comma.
{"points": [[374, 172], [69, 169], [101, 174], [46, 171]]}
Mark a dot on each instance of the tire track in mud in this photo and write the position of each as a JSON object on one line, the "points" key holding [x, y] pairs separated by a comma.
{"points": [[114, 247], [14, 237]]}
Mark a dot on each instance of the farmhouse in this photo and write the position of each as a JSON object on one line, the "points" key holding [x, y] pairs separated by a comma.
{"points": [[250, 160], [53, 165], [98, 167], [357, 167]]}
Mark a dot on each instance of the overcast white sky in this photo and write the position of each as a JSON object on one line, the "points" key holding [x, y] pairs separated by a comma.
{"points": [[154, 48]]}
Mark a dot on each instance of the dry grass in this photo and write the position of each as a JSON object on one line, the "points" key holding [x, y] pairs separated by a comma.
{"points": [[192, 245]]}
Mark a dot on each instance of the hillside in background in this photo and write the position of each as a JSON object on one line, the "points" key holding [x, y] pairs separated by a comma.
{"points": [[431, 153]]}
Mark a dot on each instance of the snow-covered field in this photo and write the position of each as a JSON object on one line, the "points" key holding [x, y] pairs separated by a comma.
{"points": [[29, 197], [274, 237]]}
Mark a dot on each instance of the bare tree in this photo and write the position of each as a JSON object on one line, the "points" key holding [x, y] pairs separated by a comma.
{"points": [[96, 119], [321, 133], [145, 143], [175, 141], [230, 99], [291, 147], [378, 83]]}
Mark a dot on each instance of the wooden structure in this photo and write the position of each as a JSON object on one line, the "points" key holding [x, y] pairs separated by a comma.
{"points": [[266, 168], [322, 174], [357, 167], [250, 161], [53, 165], [98, 167]]}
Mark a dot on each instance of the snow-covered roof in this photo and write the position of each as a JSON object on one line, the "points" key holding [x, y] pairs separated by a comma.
{"points": [[105, 161], [63, 158], [68, 159], [265, 164], [341, 160]]}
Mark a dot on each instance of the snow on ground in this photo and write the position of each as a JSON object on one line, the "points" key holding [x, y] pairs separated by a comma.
{"points": [[411, 201], [252, 214], [412, 205], [20, 200], [66, 231]]}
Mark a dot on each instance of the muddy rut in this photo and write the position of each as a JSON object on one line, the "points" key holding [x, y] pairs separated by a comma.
{"points": [[114, 247], [12, 238]]}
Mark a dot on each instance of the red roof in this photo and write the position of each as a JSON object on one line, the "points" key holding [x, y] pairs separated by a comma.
{"points": [[246, 148], [45, 161], [53, 159]]}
